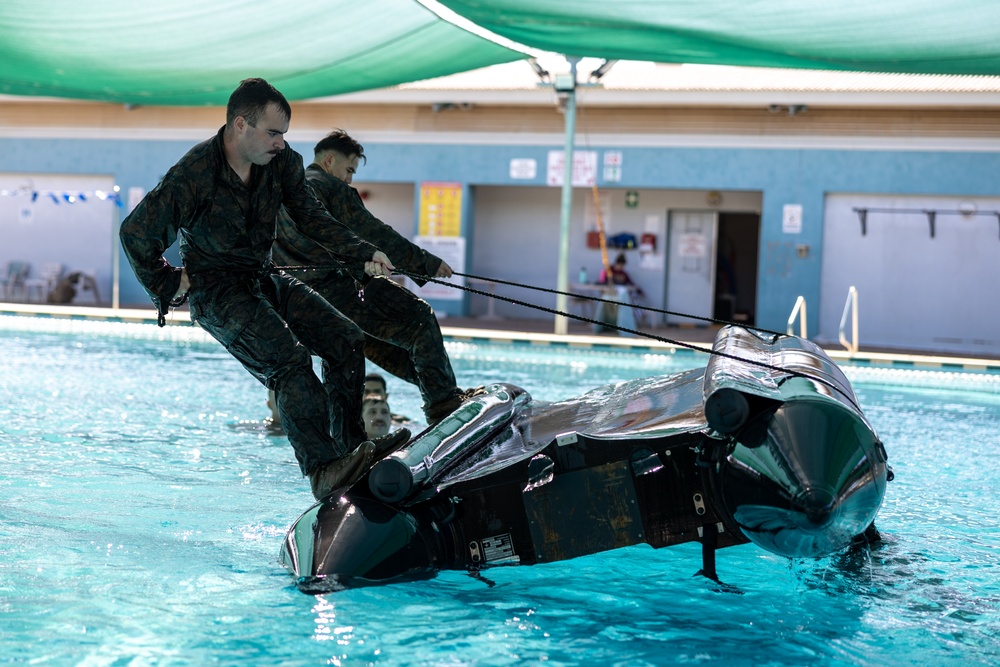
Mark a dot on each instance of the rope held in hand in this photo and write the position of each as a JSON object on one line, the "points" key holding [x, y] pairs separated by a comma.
{"points": [[669, 341]]}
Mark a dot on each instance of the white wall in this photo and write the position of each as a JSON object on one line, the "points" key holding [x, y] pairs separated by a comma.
{"points": [[916, 292], [392, 203], [516, 237]]}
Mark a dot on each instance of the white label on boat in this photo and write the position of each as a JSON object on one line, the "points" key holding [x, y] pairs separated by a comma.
{"points": [[499, 548]]}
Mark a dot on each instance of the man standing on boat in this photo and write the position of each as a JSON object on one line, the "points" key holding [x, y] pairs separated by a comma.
{"points": [[222, 199], [402, 335]]}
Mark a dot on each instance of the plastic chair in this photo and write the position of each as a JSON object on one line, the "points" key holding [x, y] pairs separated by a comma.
{"points": [[46, 281], [87, 288], [13, 278]]}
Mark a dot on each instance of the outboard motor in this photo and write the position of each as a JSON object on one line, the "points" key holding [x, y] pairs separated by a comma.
{"points": [[798, 467]]}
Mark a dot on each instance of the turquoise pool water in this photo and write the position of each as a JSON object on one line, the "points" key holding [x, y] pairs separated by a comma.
{"points": [[140, 525]]}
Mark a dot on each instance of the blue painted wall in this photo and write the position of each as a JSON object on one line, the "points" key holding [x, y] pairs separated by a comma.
{"points": [[782, 176]]}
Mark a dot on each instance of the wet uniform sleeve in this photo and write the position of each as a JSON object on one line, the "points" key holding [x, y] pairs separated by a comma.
{"points": [[152, 228], [314, 222], [345, 203]]}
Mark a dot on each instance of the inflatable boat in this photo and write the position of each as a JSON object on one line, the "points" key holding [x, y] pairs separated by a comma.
{"points": [[766, 444]]}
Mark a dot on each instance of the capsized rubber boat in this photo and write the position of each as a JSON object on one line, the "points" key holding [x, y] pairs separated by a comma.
{"points": [[766, 444]]}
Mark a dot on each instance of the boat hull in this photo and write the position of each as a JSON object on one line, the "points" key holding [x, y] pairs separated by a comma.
{"points": [[766, 444]]}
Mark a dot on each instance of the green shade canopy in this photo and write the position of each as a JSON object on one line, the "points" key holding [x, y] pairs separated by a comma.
{"points": [[194, 52], [907, 36]]}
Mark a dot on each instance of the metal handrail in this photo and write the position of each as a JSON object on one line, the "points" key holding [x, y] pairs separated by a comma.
{"points": [[851, 306], [799, 310]]}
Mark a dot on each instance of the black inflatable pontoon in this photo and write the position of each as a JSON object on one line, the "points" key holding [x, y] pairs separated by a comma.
{"points": [[766, 444]]}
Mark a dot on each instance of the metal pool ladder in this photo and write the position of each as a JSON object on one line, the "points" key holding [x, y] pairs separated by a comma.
{"points": [[798, 310], [850, 307]]}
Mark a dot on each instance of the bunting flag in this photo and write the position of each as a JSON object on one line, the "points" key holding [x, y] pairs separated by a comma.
{"points": [[67, 196]]}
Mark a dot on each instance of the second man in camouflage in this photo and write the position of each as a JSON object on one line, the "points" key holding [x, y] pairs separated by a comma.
{"points": [[402, 334]]}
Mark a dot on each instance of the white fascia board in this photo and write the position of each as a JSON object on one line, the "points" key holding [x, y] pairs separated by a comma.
{"points": [[550, 140]]}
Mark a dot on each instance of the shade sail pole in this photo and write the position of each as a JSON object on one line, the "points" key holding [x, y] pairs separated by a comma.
{"points": [[566, 86], [116, 273]]}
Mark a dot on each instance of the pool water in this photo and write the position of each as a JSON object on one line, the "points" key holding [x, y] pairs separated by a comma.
{"points": [[140, 524]]}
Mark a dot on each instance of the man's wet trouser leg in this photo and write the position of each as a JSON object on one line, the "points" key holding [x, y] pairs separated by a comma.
{"points": [[248, 324], [402, 334], [336, 340]]}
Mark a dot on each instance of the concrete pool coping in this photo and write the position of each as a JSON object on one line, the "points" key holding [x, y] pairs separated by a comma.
{"points": [[533, 332]]}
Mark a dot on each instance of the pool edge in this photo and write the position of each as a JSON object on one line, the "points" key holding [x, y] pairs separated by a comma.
{"points": [[506, 336]]}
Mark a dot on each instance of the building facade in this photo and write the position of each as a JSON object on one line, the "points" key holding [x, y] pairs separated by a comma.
{"points": [[741, 195]]}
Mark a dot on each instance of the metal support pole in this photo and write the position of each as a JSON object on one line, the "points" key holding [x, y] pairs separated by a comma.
{"points": [[562, 278], [116, 273]]}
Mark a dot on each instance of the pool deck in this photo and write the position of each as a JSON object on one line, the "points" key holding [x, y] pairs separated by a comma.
{"points": [[541, 332]]}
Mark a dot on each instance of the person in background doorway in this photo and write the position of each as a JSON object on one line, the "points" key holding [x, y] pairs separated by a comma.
{"points": [[619, 276], [608, 313], [402, 334], [222, 200]]}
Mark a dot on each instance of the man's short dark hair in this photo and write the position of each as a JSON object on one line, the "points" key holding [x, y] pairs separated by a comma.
{"points": [[250, 100], [340, 142], [375, 377]]}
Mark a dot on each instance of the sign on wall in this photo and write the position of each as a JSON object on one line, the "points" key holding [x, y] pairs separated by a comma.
{"points": [[612, 166], [584, 168], [440, 209], [791, 219], [452, 250], [523, 168]]}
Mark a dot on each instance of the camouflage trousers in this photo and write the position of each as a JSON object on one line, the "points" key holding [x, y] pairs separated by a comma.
{"points": [[273, 324], [402, 335]]}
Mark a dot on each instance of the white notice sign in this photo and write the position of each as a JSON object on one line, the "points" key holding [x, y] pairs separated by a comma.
{"points": [[791, 219], [523, 168], [452, 250], [693, 246], [584, 168]]}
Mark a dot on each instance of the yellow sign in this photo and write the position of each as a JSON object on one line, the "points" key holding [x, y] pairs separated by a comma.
{"points": [[440, 209]]}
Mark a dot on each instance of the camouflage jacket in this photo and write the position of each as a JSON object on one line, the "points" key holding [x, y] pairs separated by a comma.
{"points": [[295, 247], [224, 225]]}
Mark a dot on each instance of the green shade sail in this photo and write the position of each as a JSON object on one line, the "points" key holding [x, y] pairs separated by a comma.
{"points": [[194, 52], [907, 36]]}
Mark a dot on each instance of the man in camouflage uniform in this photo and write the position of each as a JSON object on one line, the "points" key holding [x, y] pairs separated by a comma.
{"points": [[222, 199], [402, 334]]}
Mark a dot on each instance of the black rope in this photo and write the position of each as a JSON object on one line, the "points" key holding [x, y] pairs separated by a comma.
{"points": [[518, 302], [669, 341], [789, 373], [581, 318], [548, 290], [589, 297]]}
